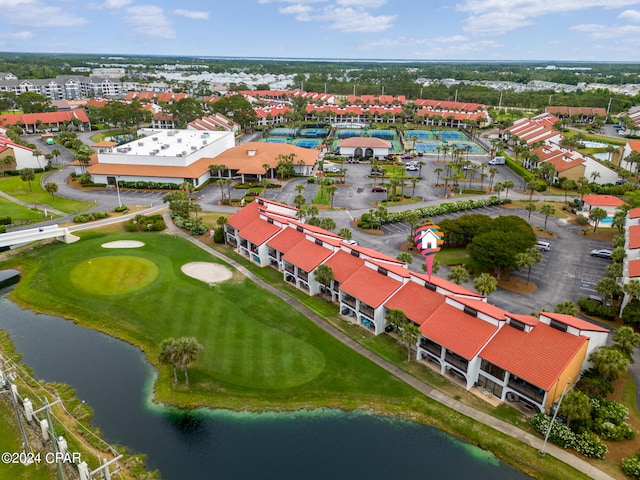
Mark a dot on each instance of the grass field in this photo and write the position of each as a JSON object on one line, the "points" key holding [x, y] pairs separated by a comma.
{"points": [[18, 188], [259, 353], [18, 213]]}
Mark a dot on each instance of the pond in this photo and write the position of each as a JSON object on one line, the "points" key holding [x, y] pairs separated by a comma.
{"points": [[114, 378]]}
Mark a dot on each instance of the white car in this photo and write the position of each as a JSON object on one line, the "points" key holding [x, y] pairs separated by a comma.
{"points": [[412, 168]]}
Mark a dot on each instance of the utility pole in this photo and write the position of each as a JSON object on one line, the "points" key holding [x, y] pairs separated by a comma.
{"points": [[555, 414]]}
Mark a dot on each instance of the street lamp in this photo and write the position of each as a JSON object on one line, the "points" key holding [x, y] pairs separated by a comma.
{"points": [[118, 191], [546, 437]]}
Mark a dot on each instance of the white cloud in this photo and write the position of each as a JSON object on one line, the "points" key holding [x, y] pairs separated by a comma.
{"points": [[352, 20], [301, 12], [19, 36], [361, 3], [597, 31], [500, 16], [150, 21], [34, 13], [630, 15], [111, 5], [192, 14], [263, 2]]}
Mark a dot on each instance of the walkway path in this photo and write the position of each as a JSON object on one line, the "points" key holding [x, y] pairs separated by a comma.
{"points": [[470, 412]]}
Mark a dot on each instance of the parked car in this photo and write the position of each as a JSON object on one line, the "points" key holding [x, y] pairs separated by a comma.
{"points": [[407, 156], [543, 246], [378, 189], [602, 253], [412, 168]]}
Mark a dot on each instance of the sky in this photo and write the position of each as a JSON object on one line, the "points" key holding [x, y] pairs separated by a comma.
{"points": [[560, 30]]}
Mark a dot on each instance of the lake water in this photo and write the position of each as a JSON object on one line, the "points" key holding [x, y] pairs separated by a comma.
{"points": [[113, 377]]}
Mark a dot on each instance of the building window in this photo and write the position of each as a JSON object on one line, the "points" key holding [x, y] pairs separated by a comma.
{"points": [[355, 254], [318, 241], [490, 386], [558, 325], [516, 324], [492, 369], [383, 271], [471, 311], [430, 286]]}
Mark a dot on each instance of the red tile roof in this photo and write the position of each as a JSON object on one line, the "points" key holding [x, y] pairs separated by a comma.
{"points": [[344, 265], [526, 319], [286, 240], [602, 200], [582, 325], [307, 255], [539, 356], [634, 268], [634, 237], [484, 307], [44, 117], [634, 213], [448, 285], [370, 286], [458, 331], [244, 216], [258, 231], [417, 302]]}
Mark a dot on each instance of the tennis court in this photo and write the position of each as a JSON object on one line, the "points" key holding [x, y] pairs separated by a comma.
{"points": [[426, 147], [419, 135], [383, 134], [423, 146], [453, 135], [282, 132], [276, 140], [305, 143], [313, 132], [349, 133]]}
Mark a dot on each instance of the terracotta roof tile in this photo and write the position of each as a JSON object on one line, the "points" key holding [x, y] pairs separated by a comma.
{"points": [[370, 286], [634, 213], [244, 216], [514, 351], [634, 268], [259, 231], [344, 265], [417, 302], [582, 325], [457, 331], [286, 240], [484, 307], [602, 200], [307, 255], [634, 237]]}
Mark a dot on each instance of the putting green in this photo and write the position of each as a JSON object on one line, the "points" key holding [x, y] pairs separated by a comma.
{"points": [[113, 275]]}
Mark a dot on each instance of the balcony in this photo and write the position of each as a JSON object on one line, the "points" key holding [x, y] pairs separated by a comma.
{"points": [[456, 360], [349, 300], [530, 391], [302, 275], [290, 269], [366, 310], [431, 347]]}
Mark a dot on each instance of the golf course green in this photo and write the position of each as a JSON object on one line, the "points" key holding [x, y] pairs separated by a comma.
{"points": [[256, 347]]}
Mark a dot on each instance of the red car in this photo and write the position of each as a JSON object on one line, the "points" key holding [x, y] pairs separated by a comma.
{"points": [[378, 189]]}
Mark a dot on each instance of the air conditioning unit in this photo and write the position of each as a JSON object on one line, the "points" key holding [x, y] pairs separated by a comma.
{"points": [[179, 140], [194, 148], [141, 144], [179, 154]]}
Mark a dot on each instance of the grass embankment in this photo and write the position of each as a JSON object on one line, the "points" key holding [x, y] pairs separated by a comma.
{"points": [[259, 353], [18, 213], [19, 189]]}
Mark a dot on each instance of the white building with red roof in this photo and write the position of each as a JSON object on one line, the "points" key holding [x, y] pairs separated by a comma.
{"points": [[364, 147], [516, 358]]}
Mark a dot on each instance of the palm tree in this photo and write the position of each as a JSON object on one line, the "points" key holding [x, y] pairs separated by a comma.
{"points": [[324, 275], [405, 257], [610, 362], [508, 184], [458, 275], [51, 187], [413, 181], [626, 340], [345, 233], [438, 171], [528, 259], [492, 176], [331, 189], [547, 209], [28, 175], [485, 284], [576, 406], [498, 188], [56, 153], [567, 308], [187, 351], [266, 167], [596, 215], [168, 355], [406, 330], [632, 288], [531, 207]]}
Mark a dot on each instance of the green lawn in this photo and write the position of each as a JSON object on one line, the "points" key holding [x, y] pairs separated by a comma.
{"points": [[18, 188], [256, 347], [18, 213]]}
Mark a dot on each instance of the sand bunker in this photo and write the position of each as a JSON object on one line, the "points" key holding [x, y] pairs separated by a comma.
{"points": [[123, 244], [207, 272]]}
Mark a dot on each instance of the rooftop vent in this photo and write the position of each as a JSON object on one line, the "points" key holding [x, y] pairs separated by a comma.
{"points": [[251, 153]]}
